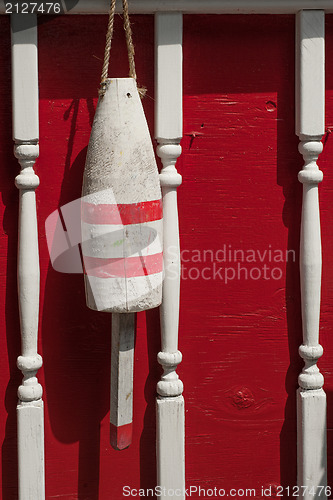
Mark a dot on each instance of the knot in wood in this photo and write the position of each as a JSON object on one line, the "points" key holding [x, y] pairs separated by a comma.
{"points": [[242, 398]]}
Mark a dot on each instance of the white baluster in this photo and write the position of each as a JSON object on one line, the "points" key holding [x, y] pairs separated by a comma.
{"points": [[30, 418], [170, 403], [311, 399], [168, 132]]}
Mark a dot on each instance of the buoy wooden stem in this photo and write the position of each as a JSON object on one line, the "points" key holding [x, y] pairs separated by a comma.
{"points": [[122, 362]]}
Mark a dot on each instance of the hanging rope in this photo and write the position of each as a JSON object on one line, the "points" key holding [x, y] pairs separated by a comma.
{"points": [[129, 43], [107, 50]]}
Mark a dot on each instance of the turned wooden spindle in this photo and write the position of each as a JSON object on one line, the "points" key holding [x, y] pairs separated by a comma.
{"points": [[310, 113], [170, 402], [170, 357], [168, 132], [30, 414], [28, 273]]}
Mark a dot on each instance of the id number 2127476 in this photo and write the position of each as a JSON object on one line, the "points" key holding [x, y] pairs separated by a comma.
{"points": [[32, 8]]}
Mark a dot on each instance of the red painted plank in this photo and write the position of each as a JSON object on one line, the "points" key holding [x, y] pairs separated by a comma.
{"points": [[239, 337]]}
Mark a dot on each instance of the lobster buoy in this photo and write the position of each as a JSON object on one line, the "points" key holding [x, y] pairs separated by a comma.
{"points": [[121, 208]]}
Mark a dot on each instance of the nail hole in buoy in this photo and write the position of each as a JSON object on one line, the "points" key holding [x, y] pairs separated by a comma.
{"points": [[128, 94]]}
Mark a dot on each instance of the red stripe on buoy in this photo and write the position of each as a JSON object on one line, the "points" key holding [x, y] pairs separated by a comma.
{"points": [[129, 267], [128, 213], [120, 437]]}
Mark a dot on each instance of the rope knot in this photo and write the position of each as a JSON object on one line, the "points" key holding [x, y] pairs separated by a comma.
{"points": [[102, 89]]}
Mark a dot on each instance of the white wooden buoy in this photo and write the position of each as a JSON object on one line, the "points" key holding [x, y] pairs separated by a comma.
{"points": [[121, 222], [121, 206]]}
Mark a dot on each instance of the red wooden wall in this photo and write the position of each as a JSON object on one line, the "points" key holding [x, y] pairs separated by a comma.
{"points": [[240, 192]]}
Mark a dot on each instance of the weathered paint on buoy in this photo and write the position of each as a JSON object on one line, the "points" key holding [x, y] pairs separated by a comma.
{"points": [[121, 211]]}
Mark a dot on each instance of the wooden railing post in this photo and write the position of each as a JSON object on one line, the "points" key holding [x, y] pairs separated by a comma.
{"points": [[30, 413], [310, 114], [168, 132]]}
